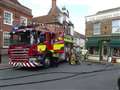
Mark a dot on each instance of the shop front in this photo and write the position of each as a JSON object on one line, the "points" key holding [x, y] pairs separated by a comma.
{"points": [[68, 40], [115, 50], [104, 49], [93, 48]]}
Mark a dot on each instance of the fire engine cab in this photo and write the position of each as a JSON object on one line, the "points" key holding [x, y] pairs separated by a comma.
{"points": [[32, 48]]}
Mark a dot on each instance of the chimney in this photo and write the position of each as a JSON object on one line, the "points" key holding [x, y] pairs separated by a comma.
{"points": [[53, 3]]}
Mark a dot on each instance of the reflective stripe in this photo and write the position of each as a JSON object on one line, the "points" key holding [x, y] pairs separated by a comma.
{"points": [[28, 64], [32, 64], [24, 65], [14, 64]]}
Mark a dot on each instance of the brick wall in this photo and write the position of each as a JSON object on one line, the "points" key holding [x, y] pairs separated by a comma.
{"points": [[106, 26], [17, 13]]}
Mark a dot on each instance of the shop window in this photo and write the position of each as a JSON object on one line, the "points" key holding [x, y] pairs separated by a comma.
{"points": [[96, 28], [94, 50], [116, 52], [6, 39], [8, 17]]}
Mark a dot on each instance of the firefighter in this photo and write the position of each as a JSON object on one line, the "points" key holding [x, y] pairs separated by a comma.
{"points": [[72, 57]]}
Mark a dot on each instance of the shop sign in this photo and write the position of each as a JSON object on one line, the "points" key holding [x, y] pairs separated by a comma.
{"points": [[68, 38]]}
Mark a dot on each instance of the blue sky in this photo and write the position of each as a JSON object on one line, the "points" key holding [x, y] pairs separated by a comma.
{"points": [[78, 9]]}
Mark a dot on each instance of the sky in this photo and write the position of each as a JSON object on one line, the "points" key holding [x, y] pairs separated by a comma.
{"points": [[78, 9]]}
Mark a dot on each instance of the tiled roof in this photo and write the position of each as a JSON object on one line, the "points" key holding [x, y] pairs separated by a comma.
{"points": [[51, 17], [54, 11], [15, 1], [46, 19]]}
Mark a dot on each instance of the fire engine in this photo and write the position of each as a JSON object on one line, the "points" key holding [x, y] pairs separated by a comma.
{"points": [[30, 47]]}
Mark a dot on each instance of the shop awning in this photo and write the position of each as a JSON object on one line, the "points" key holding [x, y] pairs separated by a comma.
{"points": [[68, 38], [115, 43], [92, 43]]}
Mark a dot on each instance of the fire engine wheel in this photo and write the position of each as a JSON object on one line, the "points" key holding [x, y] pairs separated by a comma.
{"points": [[47, 63]]}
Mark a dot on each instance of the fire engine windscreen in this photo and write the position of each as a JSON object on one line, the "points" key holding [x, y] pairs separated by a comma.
{"points": [[19, 38]]}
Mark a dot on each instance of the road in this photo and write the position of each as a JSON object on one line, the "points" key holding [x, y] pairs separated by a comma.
{"points": [[64, 77]]}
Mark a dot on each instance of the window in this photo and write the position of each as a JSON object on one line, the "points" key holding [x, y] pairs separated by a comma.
{"points": [[96, 28], [93, 50], [6, 39], [116, 26], [8, 17], [23, 21], [116, 52], [71, 30]]}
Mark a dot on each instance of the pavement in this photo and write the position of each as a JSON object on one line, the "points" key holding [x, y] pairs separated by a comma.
{"points": [[4, 66]]}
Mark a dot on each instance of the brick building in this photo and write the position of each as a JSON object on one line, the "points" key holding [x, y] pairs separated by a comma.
{"points": [[57, 20], [51, 20], [11, 13], [103, 35]]}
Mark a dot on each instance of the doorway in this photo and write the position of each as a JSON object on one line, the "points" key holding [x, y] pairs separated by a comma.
{"points": [[105, 53]]}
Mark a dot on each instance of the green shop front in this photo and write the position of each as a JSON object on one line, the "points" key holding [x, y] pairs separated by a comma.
{"points": [[68, 40], [104, 48]]}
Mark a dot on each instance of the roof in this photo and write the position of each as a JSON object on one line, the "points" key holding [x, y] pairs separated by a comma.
{"points": [[54, 11], [105, 11], [109, 10], [51, 17], [15, 1], [78, 35], [46, 19], [16, 5]]}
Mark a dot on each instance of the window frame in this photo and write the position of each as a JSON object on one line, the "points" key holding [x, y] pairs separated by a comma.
{"points": [[4, 39], [25, 18], [114, 26], [11, 18], [94, 29]]}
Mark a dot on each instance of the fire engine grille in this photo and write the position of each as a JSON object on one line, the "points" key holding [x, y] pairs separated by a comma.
{"points": [[19, 53]]}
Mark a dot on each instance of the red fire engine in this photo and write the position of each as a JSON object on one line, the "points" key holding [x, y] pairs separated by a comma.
{"points": [[32, 48]]}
